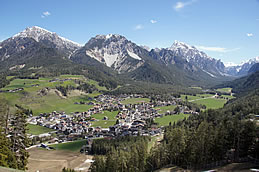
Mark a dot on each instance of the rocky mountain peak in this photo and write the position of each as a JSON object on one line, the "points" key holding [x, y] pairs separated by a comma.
{"points": [[50, 39], [114, 51]]}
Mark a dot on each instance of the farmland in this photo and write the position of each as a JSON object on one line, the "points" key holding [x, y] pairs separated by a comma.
{"points": [[53, 100], [165, 120]]}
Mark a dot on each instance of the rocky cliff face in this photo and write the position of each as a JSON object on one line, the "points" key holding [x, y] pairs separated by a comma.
{"points": [[114, 51]]}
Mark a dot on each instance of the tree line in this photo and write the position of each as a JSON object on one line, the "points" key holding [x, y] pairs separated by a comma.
{"points": [[13, 138]]}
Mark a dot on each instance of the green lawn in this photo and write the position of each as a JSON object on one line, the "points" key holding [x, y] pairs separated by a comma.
{"points": [[211, 103], [164, 121], [37, 130], [135, 100], [164, 109], [105, 123], [225, 90], [74, 146]]}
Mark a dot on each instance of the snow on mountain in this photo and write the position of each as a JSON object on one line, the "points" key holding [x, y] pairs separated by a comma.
{"points": [[241, 69], [229, 64], [49, 38], [195, 57], [114, 51]]}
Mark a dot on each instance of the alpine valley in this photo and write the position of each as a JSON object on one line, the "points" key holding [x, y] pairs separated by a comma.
{"points": [[113, 105], [113, 58]]}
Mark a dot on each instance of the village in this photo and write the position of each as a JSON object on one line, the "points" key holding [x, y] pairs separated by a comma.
{"points": [[131, 119]]}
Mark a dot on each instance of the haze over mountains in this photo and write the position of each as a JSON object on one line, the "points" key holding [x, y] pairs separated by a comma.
{"points": [[114, 53]]}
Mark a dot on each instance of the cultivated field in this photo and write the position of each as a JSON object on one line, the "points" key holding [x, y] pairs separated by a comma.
{"points": [[55, 160], [211, 103], [209, 100]]}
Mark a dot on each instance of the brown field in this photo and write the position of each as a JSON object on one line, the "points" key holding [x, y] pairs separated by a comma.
{"points": [[55, 160]]}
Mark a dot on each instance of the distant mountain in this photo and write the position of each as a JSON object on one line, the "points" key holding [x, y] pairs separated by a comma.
{"points": [[112, 56], [49, 39], [242, 69], [198, 58], [244, 84], [254, 68], [113, 50]]}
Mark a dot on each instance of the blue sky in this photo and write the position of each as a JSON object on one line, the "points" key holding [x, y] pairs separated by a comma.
{"points": [[224, 29]]}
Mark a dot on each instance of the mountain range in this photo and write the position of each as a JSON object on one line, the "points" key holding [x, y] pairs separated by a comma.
{"points": [[115, 56]]}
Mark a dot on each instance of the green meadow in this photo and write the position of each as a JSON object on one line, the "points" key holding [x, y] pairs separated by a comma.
{"points": [[74, 146], [37, 130], [211, 103], [225, 90], [38, 103], [165, 120], [105, 123], [164, 109]]}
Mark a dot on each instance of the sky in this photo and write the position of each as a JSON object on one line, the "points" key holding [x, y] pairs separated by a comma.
{"points": [[224, 29]]}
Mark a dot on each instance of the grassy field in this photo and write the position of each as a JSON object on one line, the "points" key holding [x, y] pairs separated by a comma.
{"points": [[37, 130], [211, 103], [164, 121], [198, 96], [225, 90], [208, 100], [164, 109], [105, 123], [74, 146], [30, 97], [135, 100]]}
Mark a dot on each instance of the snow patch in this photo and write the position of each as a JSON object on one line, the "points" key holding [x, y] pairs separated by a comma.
{"points": [[210, 74], [108, 36], [110, 58], [229, 64], [133, 55], [239, 68]]}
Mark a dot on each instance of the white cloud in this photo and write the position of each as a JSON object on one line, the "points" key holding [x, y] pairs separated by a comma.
{"points": [[153, 21], [217, 49], [179, 5], [249, 34], [138, 27], [45, 14]]}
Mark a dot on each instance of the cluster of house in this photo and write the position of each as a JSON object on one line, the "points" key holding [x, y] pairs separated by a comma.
{"points": [[12, 91], [132, 119]]}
